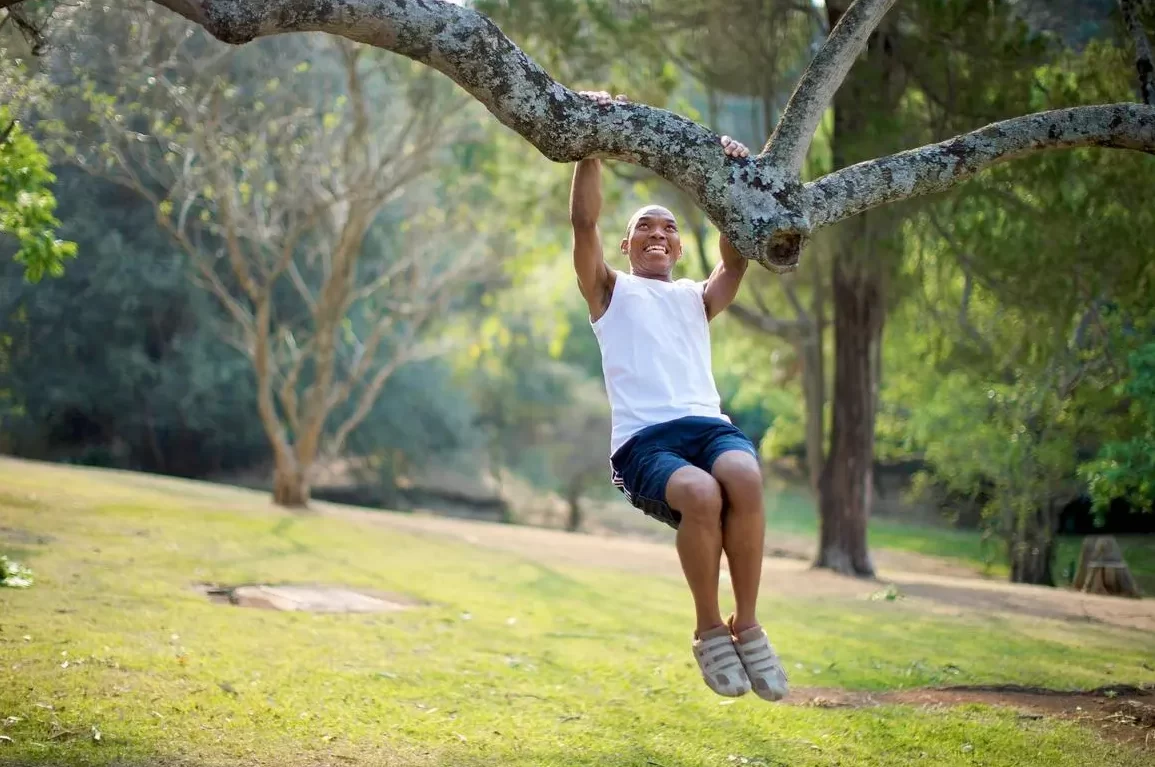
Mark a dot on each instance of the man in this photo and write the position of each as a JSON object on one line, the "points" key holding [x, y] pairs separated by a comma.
{"points": [[674, 454]]}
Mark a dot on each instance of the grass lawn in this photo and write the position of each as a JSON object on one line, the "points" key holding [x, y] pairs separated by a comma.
{"points": [[512, 662], [791, 510]]}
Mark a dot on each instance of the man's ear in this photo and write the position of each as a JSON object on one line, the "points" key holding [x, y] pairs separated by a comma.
{"points": [[625, 245]]}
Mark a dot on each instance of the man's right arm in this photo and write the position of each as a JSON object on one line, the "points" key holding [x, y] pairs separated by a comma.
{"points": [[595, 280]]}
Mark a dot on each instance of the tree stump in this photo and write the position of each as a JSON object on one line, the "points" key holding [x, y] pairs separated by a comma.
{"points": [[1102, 569]]}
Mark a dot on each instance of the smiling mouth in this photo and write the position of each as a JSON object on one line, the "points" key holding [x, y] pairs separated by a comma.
{"points": [[657, 249]]}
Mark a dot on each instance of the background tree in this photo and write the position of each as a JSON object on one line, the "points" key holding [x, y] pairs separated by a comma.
{"points": [[282, 244]]}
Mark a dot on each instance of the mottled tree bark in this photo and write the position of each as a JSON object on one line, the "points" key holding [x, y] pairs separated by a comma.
{"points": [[937, 167], [790, 141]]}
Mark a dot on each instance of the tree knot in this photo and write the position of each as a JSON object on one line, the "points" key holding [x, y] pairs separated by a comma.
{"points": [[232, 23], [782, 251]]}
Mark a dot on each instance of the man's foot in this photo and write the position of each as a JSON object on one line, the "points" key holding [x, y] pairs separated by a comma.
{"points": [[719, 662], [761, 663]]}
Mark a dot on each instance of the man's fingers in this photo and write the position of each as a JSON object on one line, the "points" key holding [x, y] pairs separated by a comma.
{"points": [[602, 97], [734, 148]]}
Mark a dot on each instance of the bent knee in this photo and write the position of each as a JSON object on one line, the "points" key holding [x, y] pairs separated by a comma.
{"points": [[697, 496], [739, 473]]}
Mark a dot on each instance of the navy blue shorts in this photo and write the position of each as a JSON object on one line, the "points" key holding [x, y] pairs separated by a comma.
{"points": [[643, 466]]}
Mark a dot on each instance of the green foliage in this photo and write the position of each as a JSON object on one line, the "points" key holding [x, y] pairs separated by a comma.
{"points": [[1004, 368], [119, 362], [1125, 468], [14, 575], [27, 204]]}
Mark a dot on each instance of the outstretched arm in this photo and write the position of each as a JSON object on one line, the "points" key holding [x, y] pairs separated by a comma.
{"points": [[724, 281], [595, 280], [593, 276], [722, 286]]}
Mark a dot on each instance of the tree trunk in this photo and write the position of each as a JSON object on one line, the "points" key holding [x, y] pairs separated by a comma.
{"points": [[862, 113], [814, 377], [847, 485], [814, 395], [290, 485], [573, 498], [1033, 547]]}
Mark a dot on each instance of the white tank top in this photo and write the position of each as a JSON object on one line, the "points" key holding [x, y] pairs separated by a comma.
{"points": [[655, 344]]}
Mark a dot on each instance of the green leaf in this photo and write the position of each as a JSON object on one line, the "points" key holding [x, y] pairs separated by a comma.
{"points": [[27, 204]]}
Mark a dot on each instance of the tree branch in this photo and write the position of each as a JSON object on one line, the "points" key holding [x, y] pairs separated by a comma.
{"points": [[936, 167], [1143, 61], [790, 141], [262, 367], [792, 297], [472, 51], [288, 390]]}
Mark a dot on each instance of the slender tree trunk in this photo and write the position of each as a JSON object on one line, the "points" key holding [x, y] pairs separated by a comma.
{"points": [[573, 498], [814, 376], [814, 395], [290, 485], [847, 486]]}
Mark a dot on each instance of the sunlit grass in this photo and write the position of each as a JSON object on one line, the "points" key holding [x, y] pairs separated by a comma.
{"points": [[511, 662]]}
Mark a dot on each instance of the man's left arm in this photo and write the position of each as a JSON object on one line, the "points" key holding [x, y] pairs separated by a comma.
{"points": [[724, 281]]}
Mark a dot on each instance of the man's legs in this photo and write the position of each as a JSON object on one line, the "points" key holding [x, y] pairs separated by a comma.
{"points": [[743, 531], [697, 496], [663, 473]]}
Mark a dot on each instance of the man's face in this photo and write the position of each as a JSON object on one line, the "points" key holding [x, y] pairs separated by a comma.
{"points": [[652, 242]]}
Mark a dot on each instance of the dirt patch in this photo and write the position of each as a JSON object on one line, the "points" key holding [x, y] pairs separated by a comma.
{"points": [[308, 598], [1121, 713]]}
